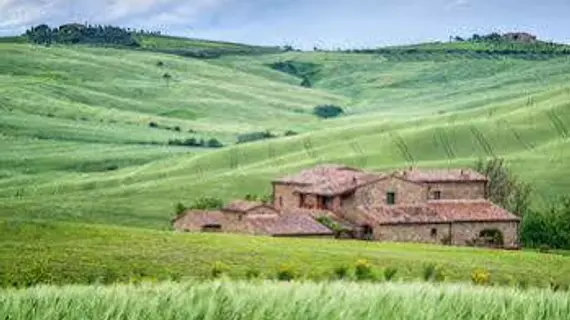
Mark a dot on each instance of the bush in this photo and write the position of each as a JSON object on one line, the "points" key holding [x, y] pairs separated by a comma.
{"points": [[390, 273], [207, 203], [341, 272], [179, 208], [214, 143], [327, 111], [252, 273], [153, 124], [289, 133], [177, 128], [285, 273], [481, 277], [193, 142], [433, 272], [218, 269], [255, 136], [160, 64], [363, 270]]}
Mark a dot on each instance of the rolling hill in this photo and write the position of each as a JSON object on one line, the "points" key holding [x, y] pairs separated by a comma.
{"points": [[77, 144]]}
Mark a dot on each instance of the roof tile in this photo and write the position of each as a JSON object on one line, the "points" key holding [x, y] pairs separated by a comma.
{"points": [[441, 175]]}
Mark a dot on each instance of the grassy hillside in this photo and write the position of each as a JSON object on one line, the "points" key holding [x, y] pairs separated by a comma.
{"points": [[271, 300], [75, 124], [41, 252]]}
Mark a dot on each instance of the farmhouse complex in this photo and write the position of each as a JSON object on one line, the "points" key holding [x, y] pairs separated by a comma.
{"points": [[446, 206]]}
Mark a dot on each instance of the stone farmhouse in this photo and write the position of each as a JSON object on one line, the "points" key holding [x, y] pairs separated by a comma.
{"points": [[440, 206]]}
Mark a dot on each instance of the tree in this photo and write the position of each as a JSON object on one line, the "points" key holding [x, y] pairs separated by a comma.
{"points": [[327, 111], [167, 77], [503, 187], [306, 82]]}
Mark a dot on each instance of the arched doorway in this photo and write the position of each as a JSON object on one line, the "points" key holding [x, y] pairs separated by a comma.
{"points": [[491, 237]]}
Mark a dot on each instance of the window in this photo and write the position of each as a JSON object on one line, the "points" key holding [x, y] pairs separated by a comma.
{"points": [[433, 232], [390, 198], [329, 201], [437, 195], [301, 200]]}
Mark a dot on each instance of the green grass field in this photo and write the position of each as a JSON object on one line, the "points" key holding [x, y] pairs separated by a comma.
{"points": [[64, 253], [76, 146], [271, 300]]}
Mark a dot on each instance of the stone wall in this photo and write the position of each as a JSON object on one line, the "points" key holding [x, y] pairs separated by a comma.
{"points": [[420, 233], [283, 196], [462, 232], [406, 192], [458, 190]]}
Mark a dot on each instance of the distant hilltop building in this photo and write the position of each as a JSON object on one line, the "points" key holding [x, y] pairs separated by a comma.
{"points": [[439, 206], [520, 37]]}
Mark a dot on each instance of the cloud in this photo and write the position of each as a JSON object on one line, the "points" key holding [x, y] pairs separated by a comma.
{"points": [[457, 4], [16, 15]]}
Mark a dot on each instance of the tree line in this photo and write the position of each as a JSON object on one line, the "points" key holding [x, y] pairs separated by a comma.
{"points": [[83, 34]]}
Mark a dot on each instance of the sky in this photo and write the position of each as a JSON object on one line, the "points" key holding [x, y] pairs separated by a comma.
{"points": [[302, 23]]}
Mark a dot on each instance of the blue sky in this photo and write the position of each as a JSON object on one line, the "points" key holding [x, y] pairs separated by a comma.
{"points": [[303, 23]]}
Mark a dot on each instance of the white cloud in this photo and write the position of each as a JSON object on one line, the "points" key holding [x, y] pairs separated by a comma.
{"points": [[457, 4], [18, 14]]}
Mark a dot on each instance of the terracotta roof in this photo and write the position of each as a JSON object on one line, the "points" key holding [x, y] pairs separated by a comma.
{"points": [[319, 174], [441, 175], [471, 210], [399, 214], [242, 205], [282, 225], [200, 218], [439, 211], [329, 179]]}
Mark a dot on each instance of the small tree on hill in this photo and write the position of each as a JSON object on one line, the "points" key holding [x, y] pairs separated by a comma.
{"points": [[167, 77], [327, 111], [504, 188]]}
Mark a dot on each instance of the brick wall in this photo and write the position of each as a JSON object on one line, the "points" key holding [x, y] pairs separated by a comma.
{"points": [[458, 190], [466, 231], [420, 233]]}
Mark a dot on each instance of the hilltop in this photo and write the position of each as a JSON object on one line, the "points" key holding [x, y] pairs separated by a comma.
{"points": [[91, 133]]}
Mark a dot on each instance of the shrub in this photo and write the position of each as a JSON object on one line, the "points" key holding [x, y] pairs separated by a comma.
{"points": [[206, 203], [160, 64], [179, 208], [153, 124], [112, 167], [390, 273], [255, 136], [306, 82], [481, 277], [218, 269], [433, 272], [252, 273], [544, 248], [286, 273], [289, 133], [341, 272], [522, 284], [327, 111], [363, 270], [177, 128], [214, 143]]}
